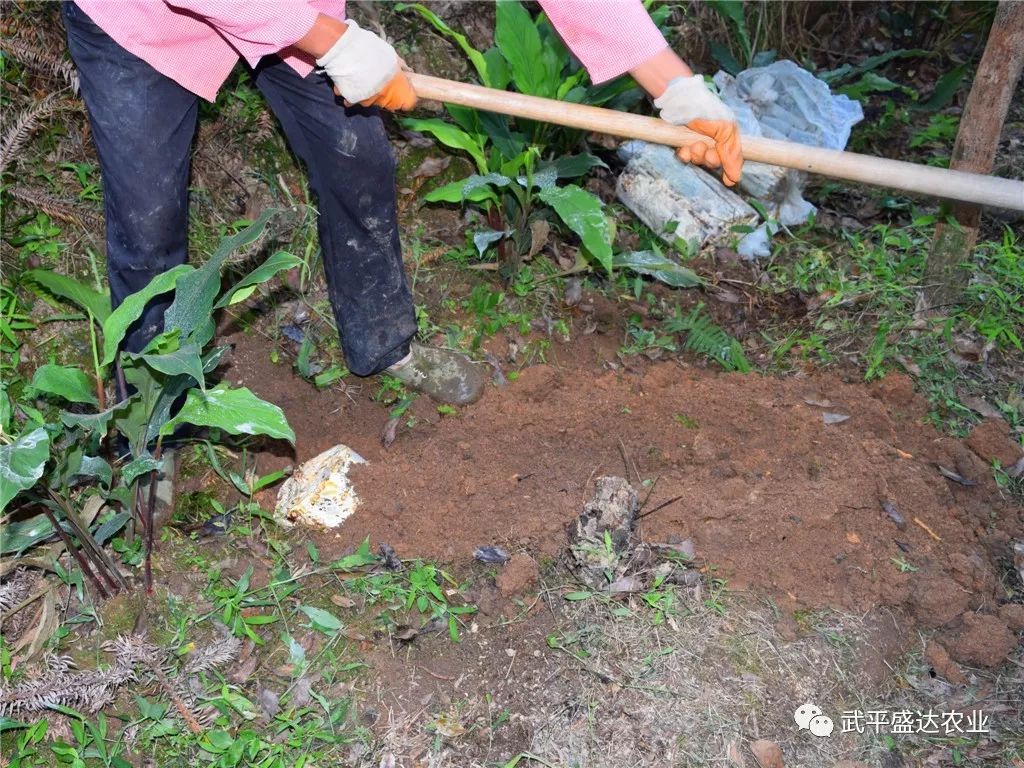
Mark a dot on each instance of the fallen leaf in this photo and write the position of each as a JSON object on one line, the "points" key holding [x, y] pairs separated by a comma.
{"points": [[949, 474], [390, 432], [269, 702], [852, 537], [431, 167], [539, 231], [343, 601], [767, 753], [47, 619], [982, 406], [405, 632], [735, 756], [894, 514], [830, 417]]}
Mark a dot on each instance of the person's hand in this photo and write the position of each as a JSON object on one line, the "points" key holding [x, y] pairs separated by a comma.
{"points": [[365, 69], [687, 101]]}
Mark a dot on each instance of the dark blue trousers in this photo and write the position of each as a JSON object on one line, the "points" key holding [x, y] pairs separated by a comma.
{"points": [[143, 124]]}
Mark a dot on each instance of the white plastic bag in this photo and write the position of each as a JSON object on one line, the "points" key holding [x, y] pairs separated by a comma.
{"points": [[319, 493], [784, 101]]}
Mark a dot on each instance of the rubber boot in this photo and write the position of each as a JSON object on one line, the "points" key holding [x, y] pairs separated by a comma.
{"points": [[446, 376]]}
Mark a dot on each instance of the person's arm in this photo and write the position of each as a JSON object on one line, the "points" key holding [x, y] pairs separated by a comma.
{"points": [[364, 68], [613, 37]]}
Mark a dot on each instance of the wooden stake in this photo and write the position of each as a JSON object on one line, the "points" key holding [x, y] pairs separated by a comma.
{"points": [[975, 149]]}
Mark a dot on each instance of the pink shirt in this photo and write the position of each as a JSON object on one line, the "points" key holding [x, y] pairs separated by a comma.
{"points": [[197, 42]]}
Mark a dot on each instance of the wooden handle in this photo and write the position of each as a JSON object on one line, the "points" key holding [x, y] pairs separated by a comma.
{"points": [[877, 171]]}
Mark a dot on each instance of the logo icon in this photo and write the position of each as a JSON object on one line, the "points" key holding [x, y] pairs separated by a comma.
{"points": [[809, 717]]}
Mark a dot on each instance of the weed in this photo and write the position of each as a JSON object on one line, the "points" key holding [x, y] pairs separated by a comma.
{"points": [[38, 237], [706, 338], [685, 421], [716, 594], [902, 564]]}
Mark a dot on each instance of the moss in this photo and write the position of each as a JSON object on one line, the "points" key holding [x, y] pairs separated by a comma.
{"points": [[120, 615]]}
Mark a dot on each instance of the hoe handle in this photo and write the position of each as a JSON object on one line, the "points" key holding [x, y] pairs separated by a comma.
{"points": [[866, 169]]}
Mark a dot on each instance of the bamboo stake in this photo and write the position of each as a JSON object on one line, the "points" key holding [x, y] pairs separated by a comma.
{"points": [[866, 169]]}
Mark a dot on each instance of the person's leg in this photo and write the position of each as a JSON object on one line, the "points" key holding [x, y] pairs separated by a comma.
{"points": [[142, 124], [352, 173]]}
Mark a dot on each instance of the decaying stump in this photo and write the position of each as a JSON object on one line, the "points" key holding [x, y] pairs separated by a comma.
{"points": [[601, 538]]}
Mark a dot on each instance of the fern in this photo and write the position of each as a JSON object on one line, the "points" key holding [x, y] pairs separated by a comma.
{"points": [[23, 126], [65, 210], [33, 55], [706, 338]]}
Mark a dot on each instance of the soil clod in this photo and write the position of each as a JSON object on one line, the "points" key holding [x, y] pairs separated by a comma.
{"points": [[519, 576]]}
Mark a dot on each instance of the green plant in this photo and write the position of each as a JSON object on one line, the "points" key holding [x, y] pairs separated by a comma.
{"points": [[84, 173], [903, 565], [38, 237], [419, 586], [716, 593], [706, 338], [47, 459], [993, 303], [519, 164]]}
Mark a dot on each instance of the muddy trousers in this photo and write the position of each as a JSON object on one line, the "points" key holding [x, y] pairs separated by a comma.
{"points": [[143, 124]]}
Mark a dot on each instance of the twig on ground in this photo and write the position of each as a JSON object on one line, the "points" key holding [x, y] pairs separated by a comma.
{"points": [[927, 529]]}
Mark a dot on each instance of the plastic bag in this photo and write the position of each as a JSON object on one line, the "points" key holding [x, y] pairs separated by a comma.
{"points": [[319, 493], [785, 101]]}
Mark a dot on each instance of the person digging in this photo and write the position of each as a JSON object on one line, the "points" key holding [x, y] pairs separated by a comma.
{"points": [[145, 64]]}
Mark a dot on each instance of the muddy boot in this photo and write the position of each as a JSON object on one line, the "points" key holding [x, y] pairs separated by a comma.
{"points": [[447, 376]]}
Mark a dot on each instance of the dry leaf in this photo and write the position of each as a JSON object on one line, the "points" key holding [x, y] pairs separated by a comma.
{"points": [[949, 474], [431, 167], [405, 633], [46, 623], [767, 753], [735, 756], [539, 231], [852, 537], [390, 432], [982, 406]]}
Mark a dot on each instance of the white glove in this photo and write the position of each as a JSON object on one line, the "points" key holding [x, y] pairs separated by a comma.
{"points": [[360, 64], [687, 99]]}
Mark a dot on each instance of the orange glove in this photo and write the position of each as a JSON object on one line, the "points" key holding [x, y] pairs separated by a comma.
{"points": [[726, 154], [365, 69], [397, 94], [687, 101]]}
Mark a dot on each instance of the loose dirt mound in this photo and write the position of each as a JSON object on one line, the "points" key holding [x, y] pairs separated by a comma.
{"points": [[776, 499]]}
